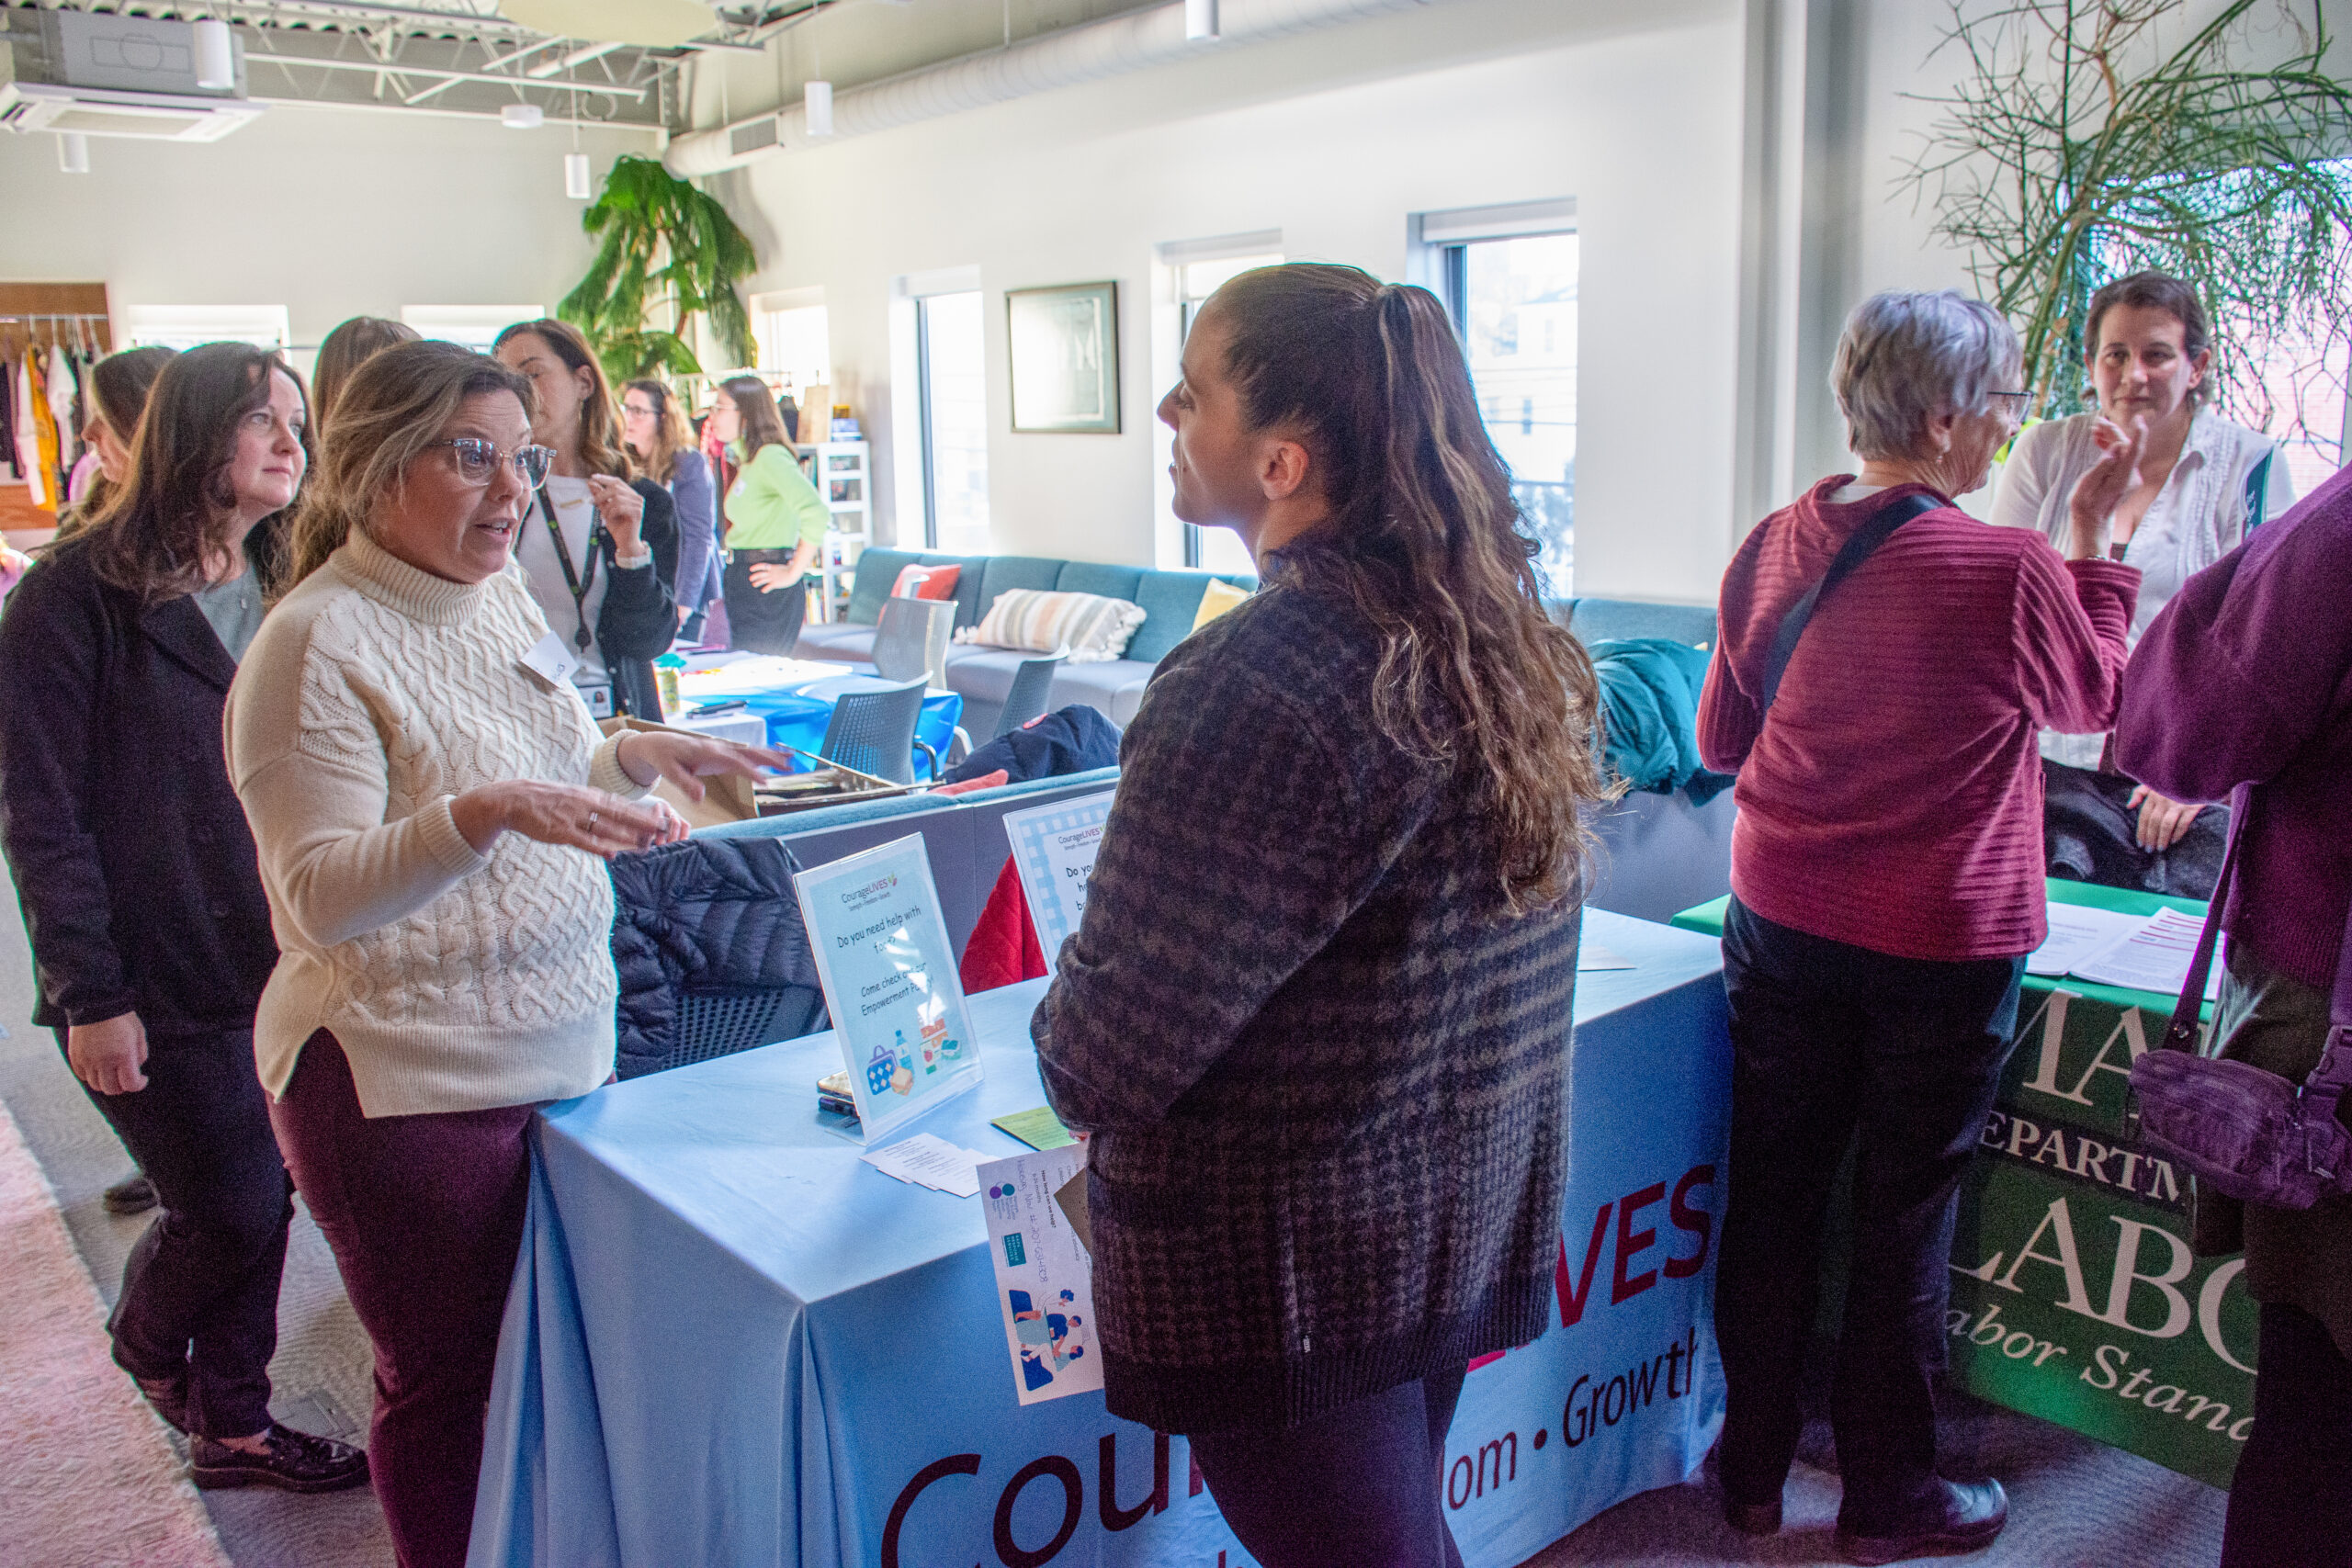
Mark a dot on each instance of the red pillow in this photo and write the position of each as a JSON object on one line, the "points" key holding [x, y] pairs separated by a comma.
{"points": [[926, 582]]}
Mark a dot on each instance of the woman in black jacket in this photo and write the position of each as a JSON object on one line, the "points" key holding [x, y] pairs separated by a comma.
{"points": [[142, 897], [600, 549]]}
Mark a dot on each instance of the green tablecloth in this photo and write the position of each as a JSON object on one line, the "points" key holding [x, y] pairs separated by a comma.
{"points": [[2075, 1296]]}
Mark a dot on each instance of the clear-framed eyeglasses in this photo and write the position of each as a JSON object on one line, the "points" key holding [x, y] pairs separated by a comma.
{"points": [[2009, 405], [478, 461]]}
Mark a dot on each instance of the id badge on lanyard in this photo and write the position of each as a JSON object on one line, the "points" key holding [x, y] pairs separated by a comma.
{"points": [[574, 583]]}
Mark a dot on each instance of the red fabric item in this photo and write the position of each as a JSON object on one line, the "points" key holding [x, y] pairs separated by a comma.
{"points": [[919, 582], [986, 780], [1895, 801], [1003, 946]]}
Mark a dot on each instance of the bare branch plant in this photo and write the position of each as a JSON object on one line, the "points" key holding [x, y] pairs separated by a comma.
{"points": [[2088, 138]]}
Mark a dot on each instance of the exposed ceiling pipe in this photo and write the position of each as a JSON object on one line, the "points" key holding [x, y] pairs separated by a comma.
{"points": [[1113, 47]]}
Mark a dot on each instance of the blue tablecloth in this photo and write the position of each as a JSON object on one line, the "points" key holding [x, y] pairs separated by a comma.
{"points": [[798, 709], [731, 1342]]}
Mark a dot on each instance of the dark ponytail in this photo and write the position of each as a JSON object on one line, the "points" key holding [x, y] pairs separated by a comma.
{"points": [[1424, 537]]}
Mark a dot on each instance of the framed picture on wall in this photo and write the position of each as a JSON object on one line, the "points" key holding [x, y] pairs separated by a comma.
{"points": [[1065, 356]]}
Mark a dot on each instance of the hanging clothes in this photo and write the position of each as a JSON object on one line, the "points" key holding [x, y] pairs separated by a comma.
{"points": [[45, 475], [15, 470], [27, 445]]}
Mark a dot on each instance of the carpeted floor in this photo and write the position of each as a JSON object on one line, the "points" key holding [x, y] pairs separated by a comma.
{"points": [[322, 1371], [72, 1427], [2073, 1503]]}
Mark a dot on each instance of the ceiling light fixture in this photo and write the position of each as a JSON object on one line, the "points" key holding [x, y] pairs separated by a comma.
{"points": [[73, 153], [1200, 22], [522, 117], [575, 176], [216, 55], [817, 102]]}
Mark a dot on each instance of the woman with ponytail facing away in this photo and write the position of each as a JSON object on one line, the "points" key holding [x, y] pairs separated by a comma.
{"points": [[1319, 1032]]}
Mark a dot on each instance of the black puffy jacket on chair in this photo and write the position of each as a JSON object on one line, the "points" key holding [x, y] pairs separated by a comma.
{"points": [[708, 917]]}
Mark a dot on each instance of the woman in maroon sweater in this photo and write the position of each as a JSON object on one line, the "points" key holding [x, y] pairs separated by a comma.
{"points": [[1886, 881], [2246, 680]]}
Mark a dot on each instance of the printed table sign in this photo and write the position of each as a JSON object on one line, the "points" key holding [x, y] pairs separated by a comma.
{"points": [[1045, 1280], [889, 978], [1055, 846]]}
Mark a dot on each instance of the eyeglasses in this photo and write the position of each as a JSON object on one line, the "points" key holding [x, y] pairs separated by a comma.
{"points": [[2016, 404], [478, 461]]}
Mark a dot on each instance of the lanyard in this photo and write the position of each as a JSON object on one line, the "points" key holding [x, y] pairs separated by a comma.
{"points": [[572, 579]]}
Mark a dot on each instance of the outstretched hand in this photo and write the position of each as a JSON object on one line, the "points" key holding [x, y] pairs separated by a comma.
{"points": [[2091, 509], [574, 815], [685, 761]]}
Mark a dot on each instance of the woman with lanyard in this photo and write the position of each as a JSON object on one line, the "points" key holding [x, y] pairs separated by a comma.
{"points": [[2203, 483], [775, 522], [600, 550]]}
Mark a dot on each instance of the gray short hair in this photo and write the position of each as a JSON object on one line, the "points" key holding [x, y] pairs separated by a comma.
{"points": [[1905, 357]]}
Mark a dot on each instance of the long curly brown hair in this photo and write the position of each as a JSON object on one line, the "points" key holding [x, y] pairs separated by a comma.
{"points": [[174, 511], [1425, 538]]}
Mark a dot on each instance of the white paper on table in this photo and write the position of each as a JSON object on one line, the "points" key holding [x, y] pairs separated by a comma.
{"points": [[1045, 1280], [1591, 955], [2077, 932], [2154, 957], [927, 1160]]}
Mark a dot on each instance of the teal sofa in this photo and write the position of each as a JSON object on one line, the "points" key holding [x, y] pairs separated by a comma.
{"points": [[983, 676]]}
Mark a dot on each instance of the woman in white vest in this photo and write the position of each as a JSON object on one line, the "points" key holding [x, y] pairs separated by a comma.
{"points": [[2203, 482]]}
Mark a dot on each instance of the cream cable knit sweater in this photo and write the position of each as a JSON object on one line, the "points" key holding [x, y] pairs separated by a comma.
{"points": [[455, 981]]}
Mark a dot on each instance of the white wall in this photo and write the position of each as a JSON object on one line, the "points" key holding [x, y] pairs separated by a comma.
{"points": [[329, 213], [1333, 139]]}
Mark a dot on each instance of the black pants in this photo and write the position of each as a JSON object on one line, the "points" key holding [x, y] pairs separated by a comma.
{"points": [[200, 1288], [1361, 1485], [2290, 1505], [1829, 1040], [760, 622]]}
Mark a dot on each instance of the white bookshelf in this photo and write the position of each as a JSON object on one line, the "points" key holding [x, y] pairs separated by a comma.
{"points": [[843, 473]]}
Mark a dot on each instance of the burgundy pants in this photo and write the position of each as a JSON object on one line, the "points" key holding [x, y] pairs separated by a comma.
{"points": [[425, 1216]]}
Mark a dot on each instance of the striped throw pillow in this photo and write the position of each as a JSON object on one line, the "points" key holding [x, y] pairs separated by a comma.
{"points": [[1095, 630]]}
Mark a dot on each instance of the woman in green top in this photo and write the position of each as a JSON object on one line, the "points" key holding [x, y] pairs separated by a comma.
{"points": [[776, 522]]}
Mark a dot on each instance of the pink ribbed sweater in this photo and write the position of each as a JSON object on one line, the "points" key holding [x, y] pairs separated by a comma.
{"points": [[1894, 800]]}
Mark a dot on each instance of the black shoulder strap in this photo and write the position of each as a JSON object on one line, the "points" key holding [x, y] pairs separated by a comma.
{"points": [[1858, 550]]}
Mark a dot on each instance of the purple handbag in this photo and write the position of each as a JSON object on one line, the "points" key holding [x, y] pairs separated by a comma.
{"points": [[2247, 1133]]}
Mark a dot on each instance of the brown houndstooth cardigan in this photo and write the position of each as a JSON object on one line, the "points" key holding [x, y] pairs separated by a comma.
{"points": [[1326, 1082]]}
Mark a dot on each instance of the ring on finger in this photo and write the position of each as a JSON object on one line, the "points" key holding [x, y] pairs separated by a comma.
{"points": [[591, 821]]}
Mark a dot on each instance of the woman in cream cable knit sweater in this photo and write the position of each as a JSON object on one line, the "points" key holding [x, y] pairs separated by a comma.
{"points": [[429, 799]]}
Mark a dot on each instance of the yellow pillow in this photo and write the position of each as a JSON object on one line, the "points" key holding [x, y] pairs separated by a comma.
{"points": [[1220, 597]]}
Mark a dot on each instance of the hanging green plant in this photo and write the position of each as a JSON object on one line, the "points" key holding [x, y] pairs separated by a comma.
{"points": [[669, 250], [2081, 144]]}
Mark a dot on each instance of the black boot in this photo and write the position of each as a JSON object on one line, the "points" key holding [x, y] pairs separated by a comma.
{"points": [[292, 1461]]}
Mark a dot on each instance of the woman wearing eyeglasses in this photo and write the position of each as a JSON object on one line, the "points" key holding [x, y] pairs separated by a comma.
{"points": [[653, 424], [2202, 484], [600, 548], [432, 805]]}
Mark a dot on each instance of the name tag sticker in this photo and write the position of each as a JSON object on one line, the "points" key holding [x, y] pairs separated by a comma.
{"points": [[551, 661]]}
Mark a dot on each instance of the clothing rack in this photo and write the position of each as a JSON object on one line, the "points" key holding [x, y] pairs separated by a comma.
{"points": [[89, 332]]}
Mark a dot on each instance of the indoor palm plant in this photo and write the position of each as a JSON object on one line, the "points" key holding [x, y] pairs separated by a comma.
{"points": [[669, 250]]}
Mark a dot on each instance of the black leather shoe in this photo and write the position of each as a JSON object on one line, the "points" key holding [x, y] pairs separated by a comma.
{"points": [[134, 1194], [1752, 1518], [1964, 1519], [167, 1397], [293, 1461]]}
